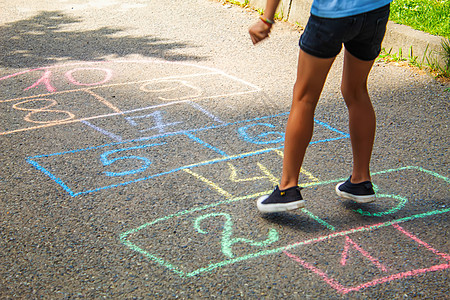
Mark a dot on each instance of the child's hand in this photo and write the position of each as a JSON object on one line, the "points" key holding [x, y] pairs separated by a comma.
{"points": [[259, 31]]}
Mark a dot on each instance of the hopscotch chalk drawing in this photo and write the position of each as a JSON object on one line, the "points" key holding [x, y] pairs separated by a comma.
{"points": [[143, 159], [273, 242], [174, 110], [48, 93]]}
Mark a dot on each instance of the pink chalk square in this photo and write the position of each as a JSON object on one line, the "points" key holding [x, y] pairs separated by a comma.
{"points": [[363, 265]]}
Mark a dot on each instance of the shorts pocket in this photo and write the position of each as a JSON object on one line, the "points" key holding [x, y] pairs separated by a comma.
{"points": [[380, 29]]}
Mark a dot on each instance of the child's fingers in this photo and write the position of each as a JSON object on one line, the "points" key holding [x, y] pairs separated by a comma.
{"points": [[258, 32], [258, 36], [256, 39]]}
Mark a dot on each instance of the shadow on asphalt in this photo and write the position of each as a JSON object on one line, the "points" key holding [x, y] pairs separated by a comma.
{"points": [[297, 221], [43, 40]]}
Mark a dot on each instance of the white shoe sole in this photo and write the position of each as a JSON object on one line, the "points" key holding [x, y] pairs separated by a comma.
{"points": [[279, 207], [358, 199]]}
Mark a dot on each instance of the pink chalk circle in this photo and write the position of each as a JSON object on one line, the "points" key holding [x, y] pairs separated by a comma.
{"points": [[108, 76]]}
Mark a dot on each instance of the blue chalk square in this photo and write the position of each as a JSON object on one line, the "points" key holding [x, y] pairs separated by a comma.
{"points": [[93, 169], [261, 133]]}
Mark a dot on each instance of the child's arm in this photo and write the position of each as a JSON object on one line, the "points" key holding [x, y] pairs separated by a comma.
{"points": [[261, 29]]}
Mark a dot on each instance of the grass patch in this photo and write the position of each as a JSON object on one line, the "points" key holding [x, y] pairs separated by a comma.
{"points": [[427, 62], [430, 16]]}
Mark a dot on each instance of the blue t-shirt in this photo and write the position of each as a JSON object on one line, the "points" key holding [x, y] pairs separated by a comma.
{"points": [[344, 8]]}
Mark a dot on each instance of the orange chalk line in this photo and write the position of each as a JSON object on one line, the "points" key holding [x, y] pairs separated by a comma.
{"points": [[103, 100]]}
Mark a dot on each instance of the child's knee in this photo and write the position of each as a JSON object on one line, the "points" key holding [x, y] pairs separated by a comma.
{"points": [[354, 92]]}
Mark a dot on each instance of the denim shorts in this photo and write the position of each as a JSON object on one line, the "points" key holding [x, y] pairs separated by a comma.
{"points": [[361, 34]]}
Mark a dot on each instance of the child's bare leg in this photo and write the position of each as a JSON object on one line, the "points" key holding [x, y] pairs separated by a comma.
{"points": [[361, 114], [311, 75]]}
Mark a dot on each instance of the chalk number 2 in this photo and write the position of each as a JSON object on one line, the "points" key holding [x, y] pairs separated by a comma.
{"points": [[106, 161], [227, 234]]}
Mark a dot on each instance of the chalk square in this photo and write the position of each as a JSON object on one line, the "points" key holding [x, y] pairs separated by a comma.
{"points": [[51, 110], [92, 169], [159, 92], [246, 173], [204, 238], [258, 134], [363, 263], [154, 121]]}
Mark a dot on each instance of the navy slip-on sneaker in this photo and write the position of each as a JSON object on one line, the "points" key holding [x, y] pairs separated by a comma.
{"points": [[359, 192], [280, 201]]}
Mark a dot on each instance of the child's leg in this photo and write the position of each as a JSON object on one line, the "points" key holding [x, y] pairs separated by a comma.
{"points": [[311, 75], [361, 114]]}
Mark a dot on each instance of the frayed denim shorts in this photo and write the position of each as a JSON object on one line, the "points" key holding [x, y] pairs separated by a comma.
{"points": [[361, 34]]}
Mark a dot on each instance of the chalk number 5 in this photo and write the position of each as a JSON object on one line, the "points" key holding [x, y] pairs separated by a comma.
{"points": [[106, 161]]}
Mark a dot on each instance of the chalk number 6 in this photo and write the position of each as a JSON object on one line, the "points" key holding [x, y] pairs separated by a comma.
{"points": [[268, 137]]}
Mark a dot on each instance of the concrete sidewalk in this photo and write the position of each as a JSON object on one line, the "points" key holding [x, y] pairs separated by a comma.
{"points": [[135, 142]]}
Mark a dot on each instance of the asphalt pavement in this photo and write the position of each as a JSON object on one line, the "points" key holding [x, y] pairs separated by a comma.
{"points": [[137, 135]]}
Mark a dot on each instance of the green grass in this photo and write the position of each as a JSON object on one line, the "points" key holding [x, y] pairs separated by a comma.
{"points": [[426, 62], [432, 16]]}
